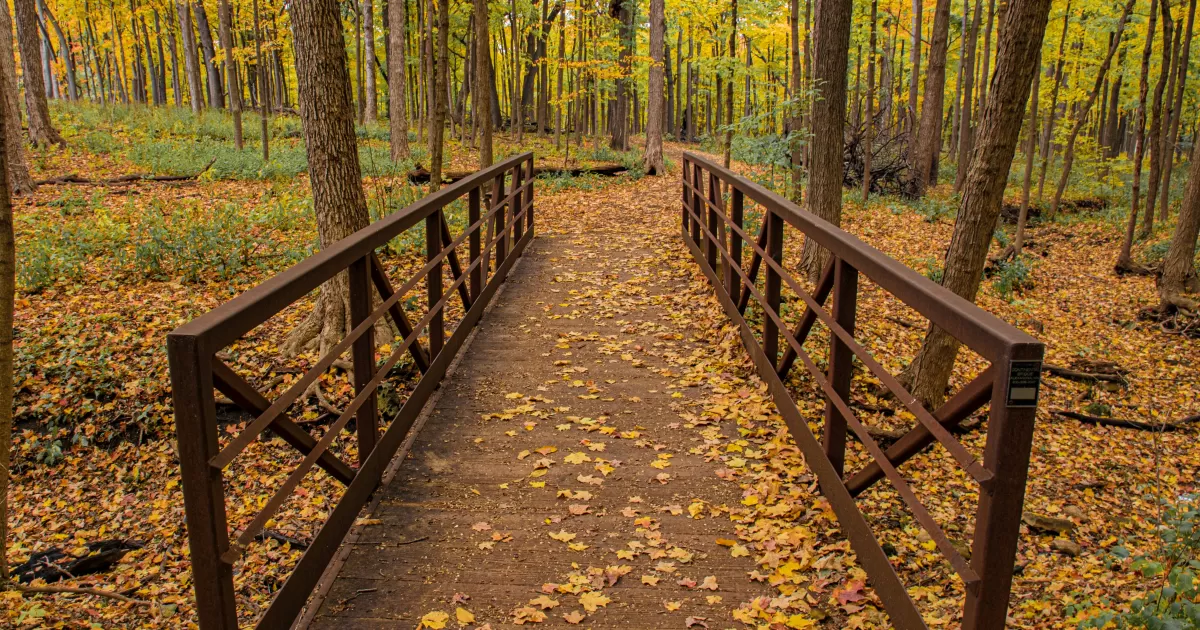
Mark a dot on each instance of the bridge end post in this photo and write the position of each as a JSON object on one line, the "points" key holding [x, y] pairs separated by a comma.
{"points": [[203, 486], [998, 520]]}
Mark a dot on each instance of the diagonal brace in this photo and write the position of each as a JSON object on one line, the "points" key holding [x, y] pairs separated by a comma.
{"points": [[755, 263], [455, 266], [397, 312], [245, 396], [824, 287], [952, 413]]}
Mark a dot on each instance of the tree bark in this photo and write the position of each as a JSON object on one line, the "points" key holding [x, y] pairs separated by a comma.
{"points": [[483, 79], [1157, 122], [619, 123], [729, 86], [869, 139], [398, 79], [1125, 259], [965, 138], [263, 98], [1082, 113], [653, 159], [1021, 31], [1181, 69], [1179, 267], [190, 59], [233, 84], [371, 112], [832, 32], [1112, 139], [327, 117], [1030, 152], [929, 131], [1052, 111], [41, 131], [441, 82], [795, 110], [19, 180], [8, 286], [65, 47], [910, 121]]}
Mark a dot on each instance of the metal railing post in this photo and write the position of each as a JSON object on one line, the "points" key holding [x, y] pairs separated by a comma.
{"points": [[773, 283], [203, 486], [517, 201], [433, 247], [733, 281], [841, 361], [367, 416], [1006, 455], [476, 280]]}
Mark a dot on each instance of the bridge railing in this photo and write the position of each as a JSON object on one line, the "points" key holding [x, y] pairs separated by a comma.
{"points": [[495, 236], [715, 232]]}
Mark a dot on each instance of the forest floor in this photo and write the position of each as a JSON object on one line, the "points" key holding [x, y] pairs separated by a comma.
{"points": [[108, 271]]}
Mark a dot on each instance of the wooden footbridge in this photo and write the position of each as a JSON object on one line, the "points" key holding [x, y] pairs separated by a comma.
{"points": [[415, 530]]}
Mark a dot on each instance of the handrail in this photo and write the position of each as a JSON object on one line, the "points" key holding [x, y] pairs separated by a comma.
{"points": [[229, 321], [712, 228], [957, 316], [505, 210]]}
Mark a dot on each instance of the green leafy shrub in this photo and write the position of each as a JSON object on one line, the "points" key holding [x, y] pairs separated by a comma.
{"points": [[1011, 277]]}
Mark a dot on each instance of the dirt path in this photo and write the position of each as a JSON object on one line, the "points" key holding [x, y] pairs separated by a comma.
{"points": [[561, 472]]}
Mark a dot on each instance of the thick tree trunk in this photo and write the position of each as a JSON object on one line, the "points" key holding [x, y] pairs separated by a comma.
{"points": [[41, 131], [190, 59], [1021, 32], [327, 117], [233, 85], [832, 31], [1179, 267], [653, 159], [929, 131], [1082, 113], [19, 180]]}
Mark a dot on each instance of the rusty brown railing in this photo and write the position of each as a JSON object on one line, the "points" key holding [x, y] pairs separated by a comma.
{"points": [[196, 370], [715, 233]]}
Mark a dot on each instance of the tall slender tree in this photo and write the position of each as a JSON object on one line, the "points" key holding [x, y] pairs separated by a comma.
{"points": [[190, 59], [233, 83], [398, 78], [653, 159], [371, 105], [19, 180], [41, 131], [929, 132], [1021, 32], [486, 90]]}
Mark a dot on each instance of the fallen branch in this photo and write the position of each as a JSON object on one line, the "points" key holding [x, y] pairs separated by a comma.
{"points": [[75, 178], [269, 534], [1083, 377], [77, 591], [1161, 427], [421, 175]]}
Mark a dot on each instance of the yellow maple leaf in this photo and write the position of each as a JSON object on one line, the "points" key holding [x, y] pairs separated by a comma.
{"points": [[464, 616], [435, 620], [593, 600]]}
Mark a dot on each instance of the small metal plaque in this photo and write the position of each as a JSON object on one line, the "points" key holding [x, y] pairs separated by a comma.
{"points": [[1024, 380]]}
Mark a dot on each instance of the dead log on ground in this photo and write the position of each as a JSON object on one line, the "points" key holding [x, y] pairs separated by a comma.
{"points": [[76, 178], [1085, 377], [1161, 427]]}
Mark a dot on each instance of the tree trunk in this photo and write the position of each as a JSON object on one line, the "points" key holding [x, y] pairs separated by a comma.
{"points": [[1157, 122], [618, 124], [177, 87], [929, 132], [869, 139], [441, 82], [653, 160], [8, 286], [1125, 259], [216, 96], [1021, 32], [733, 10], [372, 103], [1179, 267], [483, 79], [398, 78], [68, 54], [233, 85], [832, 31], [1112, 143], [41, 131], [261, 70], [1052, 111], [1030, 152], [795, 111], [190, 59], [327, 117], [1181, 68], [965, 139], [19, 180], [910, 121]]}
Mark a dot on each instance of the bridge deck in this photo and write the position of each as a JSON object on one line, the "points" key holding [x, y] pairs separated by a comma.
{"points": [[580, 344]]}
